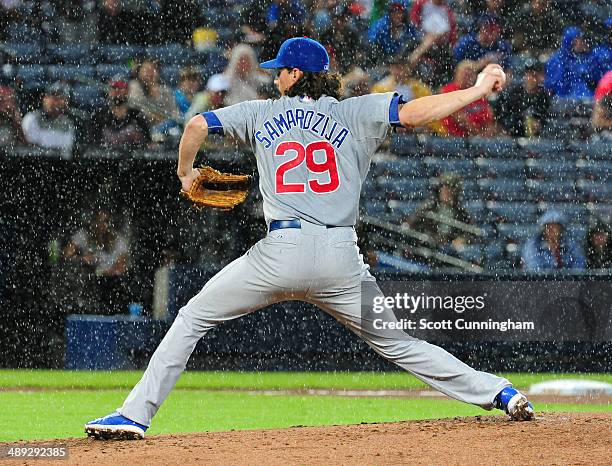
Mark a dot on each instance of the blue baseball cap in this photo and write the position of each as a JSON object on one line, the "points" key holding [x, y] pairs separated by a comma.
{"points": [[302, 53]]}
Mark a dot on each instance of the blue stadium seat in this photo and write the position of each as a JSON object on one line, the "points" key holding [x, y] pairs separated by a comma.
{"points": [[171, 75], [595, 190], [595, 150], [513, 212], [29, 73], [171, 54], [212, 61], [407, 208], [71, 72], [575, 212], [24, 53], [472, 253], [104, 72], [558, 191], [476, 209], [517, 233], [411, 167], [601, 210], [551, 169], [120, 54], [72, 54], [375, 208], [417, 188], [495, 148], [503, 168], [595, 169], [504, 189], [470, 189], [444, 147], [405, 144], [568, 108], [439, 166], [87, 97], [544, 147]]}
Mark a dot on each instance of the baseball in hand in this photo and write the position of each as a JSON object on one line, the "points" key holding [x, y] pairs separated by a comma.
{"points": [[496, 71]]}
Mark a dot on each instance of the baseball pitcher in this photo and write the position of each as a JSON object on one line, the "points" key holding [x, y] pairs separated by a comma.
{"points": [[313, 153]]}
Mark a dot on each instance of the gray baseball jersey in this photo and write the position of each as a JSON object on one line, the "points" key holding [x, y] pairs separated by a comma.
{"points": [[312, 158], [312, 155]]}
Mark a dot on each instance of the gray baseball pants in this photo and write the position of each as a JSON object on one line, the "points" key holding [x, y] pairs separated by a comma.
{"points": [[314, 264]]}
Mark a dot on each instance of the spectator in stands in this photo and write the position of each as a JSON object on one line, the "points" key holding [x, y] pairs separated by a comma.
{"points": [[599, 246], [113, 23], [50, 126], [602, 54], [10, 13], [522, 109], [438, 26], [601, 119], [216, 91], [393, 33], [341, 38], [118, 126], [477, 119], [445, 204], [154, 99], [283, 19], [244, 75], [355, 83], [190, 99], [536, 28], [103, 251], [571, 71], [11, 133], [401, 80], [552, 248], [486, 45]]}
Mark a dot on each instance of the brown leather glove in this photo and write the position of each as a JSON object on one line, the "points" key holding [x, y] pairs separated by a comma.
{"points": [[218, 190]]}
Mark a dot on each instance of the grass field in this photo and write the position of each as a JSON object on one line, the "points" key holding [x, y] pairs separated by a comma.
{"points": [[55, 404]]}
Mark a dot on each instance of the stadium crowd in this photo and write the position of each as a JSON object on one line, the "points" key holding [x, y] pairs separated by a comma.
{"points": [[127, 74]]}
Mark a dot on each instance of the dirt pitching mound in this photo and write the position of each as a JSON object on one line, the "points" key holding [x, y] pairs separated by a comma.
{"points": [[551, 439]]}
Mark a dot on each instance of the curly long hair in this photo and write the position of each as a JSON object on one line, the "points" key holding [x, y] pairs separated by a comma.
{"points": [[315, 85]]}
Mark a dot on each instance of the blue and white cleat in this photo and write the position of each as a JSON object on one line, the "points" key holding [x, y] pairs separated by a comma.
{"points": [[515, 404], [115, 427]]}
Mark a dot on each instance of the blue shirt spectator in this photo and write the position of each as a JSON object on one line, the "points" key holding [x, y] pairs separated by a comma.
{"points": [[552, 248], [393, 32], [294, 10], [486, 45], [571, 71], [602, 54]]}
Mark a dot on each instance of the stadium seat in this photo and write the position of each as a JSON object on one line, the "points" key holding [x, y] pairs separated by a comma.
{"points": [[594, 169], [471, 189], [405, 144], [595, 190], [29, 73], [543, 147], [411, 167], [502, 168], [171, 75], [551, 169], [87, 97], [595, 150], [574, 212], [404, 189], [439, 166], [559, 190], [80, 73], [105, 72], [24, 53], [444, 147], [476, 209], [601, 210], [471, 253], [567, 108], [486, 147], [71, 54], [512, 212], [375, 208], [407, 208], [517, 233], [504, 189], [171, 54], [119, 54], [212, 61]]}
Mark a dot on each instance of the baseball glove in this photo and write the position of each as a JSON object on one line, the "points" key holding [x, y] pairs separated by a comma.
{"points": [[218, 190]]}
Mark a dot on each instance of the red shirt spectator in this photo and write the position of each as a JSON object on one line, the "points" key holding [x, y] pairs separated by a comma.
{"points": [[434, 17], [476, 119], [604, 87]]}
